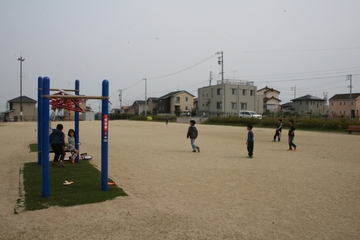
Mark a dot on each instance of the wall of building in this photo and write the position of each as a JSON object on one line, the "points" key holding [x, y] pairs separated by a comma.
{"points": [[306, 106], [340, 107], [29, 112], [237, 98], [183, 105]]}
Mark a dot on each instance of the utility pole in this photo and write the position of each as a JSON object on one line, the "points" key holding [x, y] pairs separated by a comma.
{"points": [[21, 108], [349, 77], [211, 75], [294, 89], [120, 99], [221, 63], [145, 96]]}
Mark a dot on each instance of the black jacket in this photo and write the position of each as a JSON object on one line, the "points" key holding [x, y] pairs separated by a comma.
{"points": [[57, 137], [192, 132]]}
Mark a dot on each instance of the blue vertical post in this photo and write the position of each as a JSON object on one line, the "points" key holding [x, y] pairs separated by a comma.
{"points": [[45, 139], [77, 129], [104, 136], [39, 117]]}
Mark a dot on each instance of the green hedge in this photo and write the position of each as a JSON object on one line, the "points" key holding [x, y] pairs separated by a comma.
{"points": [[157, 118], [299, 123]]}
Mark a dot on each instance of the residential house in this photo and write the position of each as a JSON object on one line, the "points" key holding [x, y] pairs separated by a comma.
{"points": [[238, 95], [127, 110], [152, 105], [309, 105], [339, 104], [139, 107], [29, 110], [70, 115], [195, 104], [271, 101], [287, 108], [176, 103]]}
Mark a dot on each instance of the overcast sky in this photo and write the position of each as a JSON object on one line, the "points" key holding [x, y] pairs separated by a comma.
{"points": [[311, 44]]}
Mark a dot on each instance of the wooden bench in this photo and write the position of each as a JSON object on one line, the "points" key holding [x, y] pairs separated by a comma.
{"points": [[353, 128]]}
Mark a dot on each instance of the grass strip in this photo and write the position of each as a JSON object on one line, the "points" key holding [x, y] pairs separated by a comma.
{"points": [[34, 147], [85, 189]]}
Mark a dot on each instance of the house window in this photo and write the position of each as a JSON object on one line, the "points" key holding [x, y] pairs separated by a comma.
{"points": [[340, 103], [340, 112], [252, 92], [234, 91], [344, 112], [219, 105], [344, 103], [212, 93], [234, 105], [332, 112], [352, 103], [332, 103], [219, 91], [244, 106], [244, 92], [186, 108], [187, 99], [206, 95], [177, 99], [300, 102]]}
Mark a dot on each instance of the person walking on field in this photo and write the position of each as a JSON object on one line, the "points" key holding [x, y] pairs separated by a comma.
{"points": [[250, 141], [193, 133], [278, 131], [291, 135], [57, 142]]}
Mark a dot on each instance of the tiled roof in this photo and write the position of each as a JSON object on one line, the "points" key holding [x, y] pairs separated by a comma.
{"points": [[345, 96], [25, 99], [308, 97]]}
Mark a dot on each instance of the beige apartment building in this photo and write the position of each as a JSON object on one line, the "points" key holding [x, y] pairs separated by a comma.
{"points": [[236, 95], [339, 104]]}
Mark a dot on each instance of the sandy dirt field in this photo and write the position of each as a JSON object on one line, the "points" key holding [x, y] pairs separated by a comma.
{"points": [[310, 193]]}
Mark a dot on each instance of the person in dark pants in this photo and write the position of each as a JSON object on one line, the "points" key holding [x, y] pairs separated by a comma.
{"points": [[291, 135], [250, 141], [278, 130], [57, 142], [193, 133]]}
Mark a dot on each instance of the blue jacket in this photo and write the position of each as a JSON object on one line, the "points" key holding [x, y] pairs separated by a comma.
{"points": [[250, 136], [57, 137]]}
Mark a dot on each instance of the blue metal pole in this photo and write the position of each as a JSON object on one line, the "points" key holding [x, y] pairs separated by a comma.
{"points": [[39, 118], [77, 129], [45, 139], [104, 136]]}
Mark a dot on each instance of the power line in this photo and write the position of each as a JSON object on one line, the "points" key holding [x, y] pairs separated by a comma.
{"points": [[301, 73], [206, 59], [296, 50], [302, 79]]}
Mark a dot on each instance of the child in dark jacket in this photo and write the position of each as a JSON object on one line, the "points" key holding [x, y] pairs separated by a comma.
{"points": [[57, 142], [278, 131], [250, 141], [193, 133]]}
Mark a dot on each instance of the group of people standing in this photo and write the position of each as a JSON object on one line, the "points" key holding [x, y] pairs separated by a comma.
{"points": [[193, 133]]}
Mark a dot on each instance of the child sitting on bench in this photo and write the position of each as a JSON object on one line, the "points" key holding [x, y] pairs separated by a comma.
{"points": [[57, 141], [73, 150]]}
